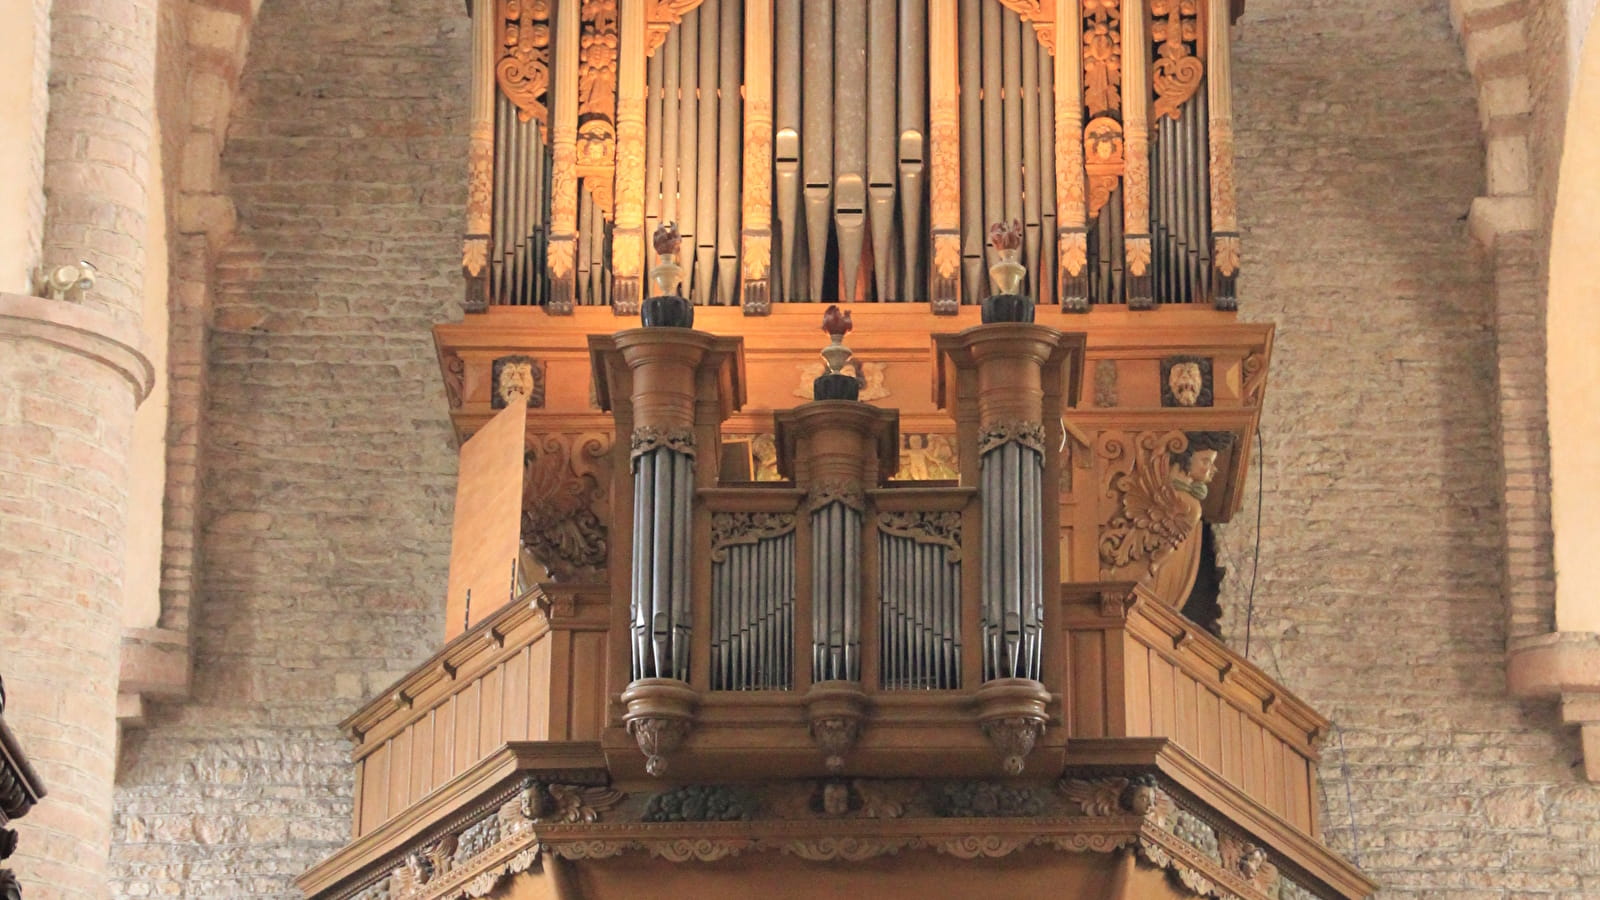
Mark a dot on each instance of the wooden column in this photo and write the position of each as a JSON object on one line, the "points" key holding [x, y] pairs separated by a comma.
{"points": [[563, 154], [627, 235], [1136, 152], [756, 204], [1224, 215], [480, 161], [1072, 234], [945, 170]]}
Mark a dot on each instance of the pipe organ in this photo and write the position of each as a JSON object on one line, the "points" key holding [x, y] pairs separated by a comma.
{"points": [[918, 615], [851, 150]]}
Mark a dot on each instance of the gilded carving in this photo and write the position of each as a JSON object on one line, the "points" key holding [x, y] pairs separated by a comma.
{"points": [[660, 16], [559, 256], [756, 252], [1255, 378], [563, 195], [1102, 55], [1137, 250], [516, 376], [927, 457], [563, 487], [947, 256], [1177, 73], [1100, 189], [455, 377], [1136, 182], [1028, 434], [649, 438], [627, 254], [757, 205], [945, 165], [474, 256], [729, 529], [523, 70], [1224, 213], [1225, 253], [1073, 248], [926, 527]]}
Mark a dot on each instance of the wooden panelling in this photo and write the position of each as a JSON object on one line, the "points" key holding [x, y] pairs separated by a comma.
{"points": [[488, 520], [1087, 654], [588, 685]]}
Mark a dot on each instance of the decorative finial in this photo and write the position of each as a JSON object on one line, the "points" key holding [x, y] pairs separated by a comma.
{"points": [[1007, 304], [835, 384], [665, 307]]}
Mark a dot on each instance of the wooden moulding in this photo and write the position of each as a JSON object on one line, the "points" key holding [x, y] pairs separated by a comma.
{"points": [[534, 670]]}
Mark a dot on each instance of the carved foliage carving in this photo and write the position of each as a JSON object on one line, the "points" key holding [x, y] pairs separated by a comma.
{"points": [[731, 528], [926, 527], [660, 16], [1028, 434], [1102, 55], [702, 803], [1148, 518], [523, 70], [1255, 378], [1174, 28], [648, 438], [455, 377], [564, 480], [596, 149]]}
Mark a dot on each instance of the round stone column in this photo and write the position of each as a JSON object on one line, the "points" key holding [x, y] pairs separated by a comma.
{"points": [[70, 379]]}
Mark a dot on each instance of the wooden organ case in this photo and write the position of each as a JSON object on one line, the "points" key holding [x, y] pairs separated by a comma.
{"points": [[727, 615]]}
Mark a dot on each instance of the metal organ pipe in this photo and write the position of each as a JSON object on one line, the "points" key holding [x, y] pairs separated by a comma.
{"points": [[882, 119], [728, 157], [913, 124], [689, 139], [973, 222], [652, 153], [1031, 186], [786, 141], [706, 152], [817, 138]]}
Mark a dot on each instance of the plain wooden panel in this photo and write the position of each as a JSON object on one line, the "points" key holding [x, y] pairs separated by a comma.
{"points": [[1184, 730], [466, 729], [1162, 711], [422, 757], [588, 685], [515, 708], [444, 740], [560, 685], [491, 686], [1208, 716], [1232, 743], [1272, 750], [374, 793], [539, 689], [1088, 684], [486, 534], [399, 771], [1250, 760], [1297, 788], [361, 776], [1136, 664]]}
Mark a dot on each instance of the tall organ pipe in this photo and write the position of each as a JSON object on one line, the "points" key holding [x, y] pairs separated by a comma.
{"points": [[652, 153], [882, 117], [728, 156], [913, 123], [1031, 186], [850, 139], [1046, 282], [1011, 110], [689, 136], [786, 141], [706, 150], [973, 223], [671, 122], [994, 174], [817, 140]]}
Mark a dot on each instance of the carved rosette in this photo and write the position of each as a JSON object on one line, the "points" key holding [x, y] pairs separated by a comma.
{"points": [[659, 715], [926, 527], [1028, 434], [729, 529], [835, 710], [649, 438], [1011, 714]]}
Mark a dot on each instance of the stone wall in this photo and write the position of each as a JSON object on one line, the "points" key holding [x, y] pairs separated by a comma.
{"points": [[1379, 593], [329, 460]]}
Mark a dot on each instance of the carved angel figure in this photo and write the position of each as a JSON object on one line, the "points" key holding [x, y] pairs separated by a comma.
{"points": [[1161, 498]]}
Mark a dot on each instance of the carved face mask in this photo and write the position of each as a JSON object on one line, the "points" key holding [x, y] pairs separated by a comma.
{"points": [[516, 379], [1185, 381]]}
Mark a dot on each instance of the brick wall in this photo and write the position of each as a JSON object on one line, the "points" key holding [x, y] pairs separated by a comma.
{"points": [[329, 461], [1379, 597]]}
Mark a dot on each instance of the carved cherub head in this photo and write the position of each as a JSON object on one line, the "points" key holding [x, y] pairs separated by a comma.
{"points": [[1196, 464], [1251, 861], [1003, 237], [666, 239]]}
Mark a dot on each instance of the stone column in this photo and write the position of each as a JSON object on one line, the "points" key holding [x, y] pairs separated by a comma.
{"points": [[70, 378]]}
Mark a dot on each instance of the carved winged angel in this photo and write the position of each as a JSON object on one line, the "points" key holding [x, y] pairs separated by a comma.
{"points": [[1155, 516]]}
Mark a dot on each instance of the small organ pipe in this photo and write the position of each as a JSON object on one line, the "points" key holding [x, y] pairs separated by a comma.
{"points": [[498, 226], [817, 137], [1046, 290], [1011, 110], [653, 129], [994, 171], [671, 122]]}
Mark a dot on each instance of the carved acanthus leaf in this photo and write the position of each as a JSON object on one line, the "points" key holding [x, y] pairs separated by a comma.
{"points": [[563, 489], [1151, 519], [1176, 76], [523, 69], [926, 527], [731, 528], [1255, 378], [649, 438], [1028, 434]]}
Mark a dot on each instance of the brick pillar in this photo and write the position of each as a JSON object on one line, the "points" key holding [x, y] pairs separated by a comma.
{"points": [[97, 145], [70, 378]]}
